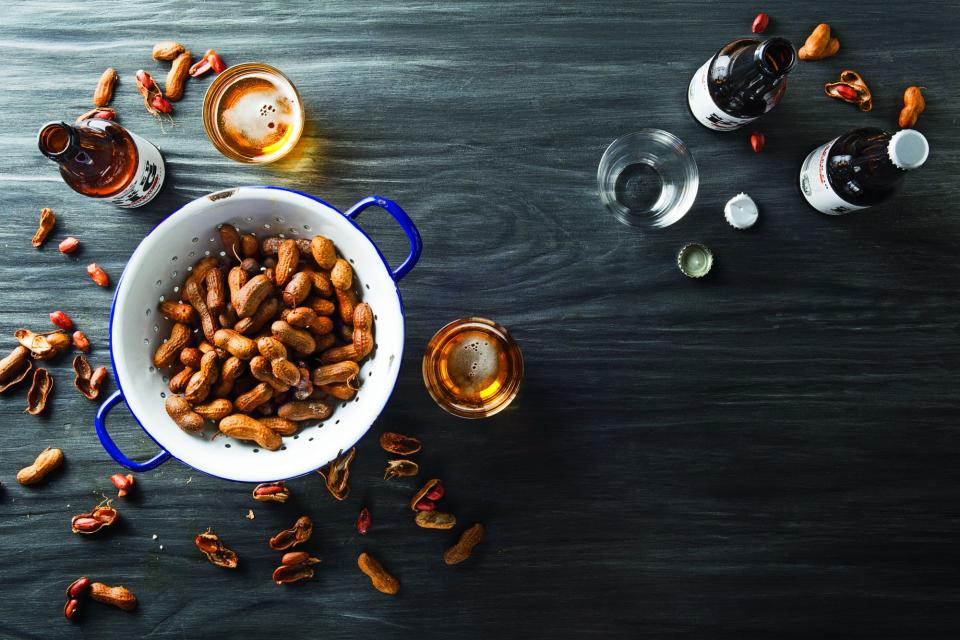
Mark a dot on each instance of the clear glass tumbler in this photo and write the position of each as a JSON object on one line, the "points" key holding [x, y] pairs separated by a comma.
{"points": [[648, 178]]}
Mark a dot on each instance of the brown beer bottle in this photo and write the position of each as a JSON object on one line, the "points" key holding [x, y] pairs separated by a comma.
{"points": [[861, 168], [101, 159], [740, 83]]}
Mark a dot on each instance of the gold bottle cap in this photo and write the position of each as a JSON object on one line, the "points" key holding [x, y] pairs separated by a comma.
{"points": [[695, 260]]}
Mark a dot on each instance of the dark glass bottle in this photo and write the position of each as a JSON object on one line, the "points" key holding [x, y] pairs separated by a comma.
{"points": [[743, 81], [859, 169], [101, 159]]}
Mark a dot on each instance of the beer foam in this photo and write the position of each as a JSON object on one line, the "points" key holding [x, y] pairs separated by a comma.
{"points": [[474, 364], [259, 117]]}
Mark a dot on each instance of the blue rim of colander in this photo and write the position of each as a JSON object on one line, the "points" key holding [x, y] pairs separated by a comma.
{"points": [[416, 248]]}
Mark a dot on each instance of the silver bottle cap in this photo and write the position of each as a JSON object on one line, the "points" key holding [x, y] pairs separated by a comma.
{"points": [[908, 149], [741, 211]]}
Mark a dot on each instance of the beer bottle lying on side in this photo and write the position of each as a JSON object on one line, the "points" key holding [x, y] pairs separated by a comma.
{"points": [[740, 83], [860, 169], [102, 160]]}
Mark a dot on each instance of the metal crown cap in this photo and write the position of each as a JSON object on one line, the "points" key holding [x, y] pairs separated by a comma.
{"points": [[908, 149], [695, 260], [741, 211]]}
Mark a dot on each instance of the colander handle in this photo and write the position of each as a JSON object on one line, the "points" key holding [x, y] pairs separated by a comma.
{"points": [[391, 207], [111, 446]]}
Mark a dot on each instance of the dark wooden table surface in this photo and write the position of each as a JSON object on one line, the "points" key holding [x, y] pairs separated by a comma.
{"points": [[772, 452]]}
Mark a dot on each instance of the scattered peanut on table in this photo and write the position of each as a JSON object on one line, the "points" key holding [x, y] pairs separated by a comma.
{"points": [[851, 88], [48, 460], [820, 44], [382, 581], [913, 106], [103, 94]]}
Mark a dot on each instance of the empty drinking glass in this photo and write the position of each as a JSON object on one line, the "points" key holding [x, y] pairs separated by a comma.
{"points": [[648, 178]]}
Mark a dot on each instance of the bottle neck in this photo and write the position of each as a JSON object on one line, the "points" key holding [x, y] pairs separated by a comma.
{"points": [[58, 141], [96, 157], [775, 57]]}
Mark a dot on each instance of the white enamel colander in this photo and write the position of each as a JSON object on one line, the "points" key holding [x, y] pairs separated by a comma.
{"points": [[158, 267]]}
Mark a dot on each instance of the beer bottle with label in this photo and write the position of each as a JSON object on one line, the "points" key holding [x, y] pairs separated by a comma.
{"points": [[101, 159], [859, 169], [743, 81]]}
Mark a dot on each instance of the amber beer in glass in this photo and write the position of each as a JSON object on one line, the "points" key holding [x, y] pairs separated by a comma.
{"points": [[472, 368], [253, 113]]}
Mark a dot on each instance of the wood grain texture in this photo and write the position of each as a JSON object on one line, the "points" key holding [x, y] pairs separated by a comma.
{"points": [[769, 453]]}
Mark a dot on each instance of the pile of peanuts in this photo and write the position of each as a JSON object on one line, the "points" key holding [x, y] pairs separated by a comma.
{"points": [[269, 337]]}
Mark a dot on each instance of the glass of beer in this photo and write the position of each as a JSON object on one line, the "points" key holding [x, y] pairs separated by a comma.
{"points": [[472, 368], [253, 113]]}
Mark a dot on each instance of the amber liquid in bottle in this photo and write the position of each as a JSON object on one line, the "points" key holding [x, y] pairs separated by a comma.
{"points": [[101, 159], [473, 368]]}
